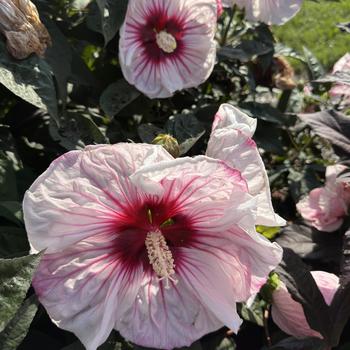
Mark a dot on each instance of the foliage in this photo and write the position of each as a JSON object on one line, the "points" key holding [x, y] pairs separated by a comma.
{"points": [[315, 28], [76, 95]]}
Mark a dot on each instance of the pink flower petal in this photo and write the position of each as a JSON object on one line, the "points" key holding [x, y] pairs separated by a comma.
{"points": [[166, 318], [231, 141], [85, 289], [289, 314], [72, 201], [267, 11]]}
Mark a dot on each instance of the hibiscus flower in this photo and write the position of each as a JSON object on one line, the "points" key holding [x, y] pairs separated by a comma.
{"points": [[160, 249], [168, 45]]}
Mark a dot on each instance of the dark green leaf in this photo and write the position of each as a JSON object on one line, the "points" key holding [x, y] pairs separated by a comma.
{"points": [[340, 77], [340, 306], [13, 242], [12, 211], [253, 313], [8, 188], [246, 51], [303, 288], [78, 130], [311, 244], [17, 328], [333, 126], [299, 344], [264, 111], [59, 57], [30, 79], [117, 96], [112, 16], [315, 68], [15, 279], [148, 132], [345, 27], [186, 129]]}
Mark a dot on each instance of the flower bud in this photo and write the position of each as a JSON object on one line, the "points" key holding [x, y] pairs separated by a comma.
{"points": [[169, 143], [289, 314]]}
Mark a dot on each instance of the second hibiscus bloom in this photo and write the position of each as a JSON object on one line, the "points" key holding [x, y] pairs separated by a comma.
{"points": [[168, 45]]}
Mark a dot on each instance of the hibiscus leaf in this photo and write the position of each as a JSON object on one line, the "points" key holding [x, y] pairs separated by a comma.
{"points": [[310, 244], [29, 79], [340, 306], [17, 328], [117, 96], [303, 289], [299, 344], [12, 211], [265, 112], [15, 279], [112, 16], [340, 77], [147, 132], [186, 129], [315, 68], [333, 126]]}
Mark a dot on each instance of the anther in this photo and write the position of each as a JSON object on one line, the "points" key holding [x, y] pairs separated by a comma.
{"points": [[160, 257], [166, 42]]}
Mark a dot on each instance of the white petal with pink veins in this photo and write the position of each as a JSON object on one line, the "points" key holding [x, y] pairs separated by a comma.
{"points": [[85, 289], [267, 11], [166, 318], [231, 141], [72, 201]]}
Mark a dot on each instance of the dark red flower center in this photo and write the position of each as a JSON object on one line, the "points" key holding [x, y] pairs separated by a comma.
{"points": [[136, 223], [161, 35]]}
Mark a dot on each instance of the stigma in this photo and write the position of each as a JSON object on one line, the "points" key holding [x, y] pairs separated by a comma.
{"points": [[160, 257], [166, 41]]}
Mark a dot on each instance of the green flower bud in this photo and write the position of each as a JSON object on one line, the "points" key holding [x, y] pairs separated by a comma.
{"points": [[169, 143]]}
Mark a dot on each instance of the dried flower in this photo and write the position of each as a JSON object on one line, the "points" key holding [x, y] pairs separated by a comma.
{"points": [[22, 28]]}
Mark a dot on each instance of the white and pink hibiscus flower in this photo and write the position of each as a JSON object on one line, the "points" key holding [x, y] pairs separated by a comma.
{"points": [[168, 45], [341, 92], [268, 11], [325, 207], [289, 315], [160, 249]]}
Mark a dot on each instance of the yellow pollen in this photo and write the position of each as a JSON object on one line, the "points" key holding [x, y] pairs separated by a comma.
{"points": [[160, 257], [166, 41]]}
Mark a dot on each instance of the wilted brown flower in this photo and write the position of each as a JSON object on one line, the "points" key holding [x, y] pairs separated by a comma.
{"points": [[22, 28], [283, 74]]}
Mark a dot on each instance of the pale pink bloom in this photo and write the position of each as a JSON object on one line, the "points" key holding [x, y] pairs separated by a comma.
{"points": [[231, 141], [160, 249], [341, 91], [289, 314], [168, 45], [219, 8], [325, 207], [267, 11]]}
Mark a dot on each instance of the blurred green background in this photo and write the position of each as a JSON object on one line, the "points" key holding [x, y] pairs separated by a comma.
{"points": [[315, 27]]}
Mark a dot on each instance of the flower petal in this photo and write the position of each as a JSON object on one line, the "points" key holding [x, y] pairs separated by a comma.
{"points": [[85, 289], [166, 318], [231, 141], [72, 201]]}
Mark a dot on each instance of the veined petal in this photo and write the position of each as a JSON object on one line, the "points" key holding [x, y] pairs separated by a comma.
{"points": [[268, 11], [230, 141], [72, 201], [166, 318], [86, 288], [189, 180]]}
